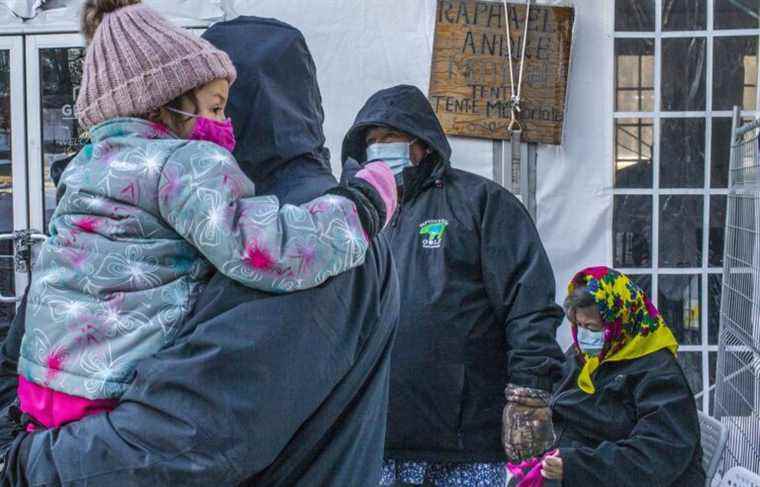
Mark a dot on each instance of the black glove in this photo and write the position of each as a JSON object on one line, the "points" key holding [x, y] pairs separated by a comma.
{"points": [[350, 168]]}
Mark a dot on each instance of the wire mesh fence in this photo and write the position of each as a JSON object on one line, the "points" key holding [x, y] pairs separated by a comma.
{"points": [[737, 392]]}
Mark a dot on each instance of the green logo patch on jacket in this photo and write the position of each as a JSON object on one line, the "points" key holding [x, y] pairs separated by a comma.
{"points": [[432, 232]]}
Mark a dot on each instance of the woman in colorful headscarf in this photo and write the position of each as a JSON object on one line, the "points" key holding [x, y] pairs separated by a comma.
{"points": [[624, 414]]}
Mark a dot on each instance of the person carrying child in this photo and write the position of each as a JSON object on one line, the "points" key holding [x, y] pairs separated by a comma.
{"points": [[152, 205]]}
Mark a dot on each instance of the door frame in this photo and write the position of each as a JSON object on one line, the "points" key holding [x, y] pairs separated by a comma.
{"points": [[20, 181], [34, 43]]}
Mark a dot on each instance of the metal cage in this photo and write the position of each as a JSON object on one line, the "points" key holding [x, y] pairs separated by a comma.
{"points": [[737, 391]]}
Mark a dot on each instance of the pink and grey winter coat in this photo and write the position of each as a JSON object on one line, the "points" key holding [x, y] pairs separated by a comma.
{"points": [[144, 218]]}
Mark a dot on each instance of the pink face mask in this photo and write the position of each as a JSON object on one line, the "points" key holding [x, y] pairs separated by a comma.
{"points": [[220, 133]]}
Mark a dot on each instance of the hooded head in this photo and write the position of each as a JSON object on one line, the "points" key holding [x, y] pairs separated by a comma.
{"points": [[275, 105], [632, 327], [403, 108]]}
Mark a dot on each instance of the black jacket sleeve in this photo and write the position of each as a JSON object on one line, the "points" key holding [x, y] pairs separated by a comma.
{"points": [[520, 283], [9, 353], [658, 450]]}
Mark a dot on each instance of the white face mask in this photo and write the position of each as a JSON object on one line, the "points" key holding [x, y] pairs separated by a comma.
{"points": [[395, 154], [590, 342]]}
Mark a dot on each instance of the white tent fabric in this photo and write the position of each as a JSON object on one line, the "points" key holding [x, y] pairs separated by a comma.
{"points": [[574, 190]]}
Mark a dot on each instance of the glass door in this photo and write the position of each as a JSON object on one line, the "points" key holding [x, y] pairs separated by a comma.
{"points": [[54, 72], [13, 177]]}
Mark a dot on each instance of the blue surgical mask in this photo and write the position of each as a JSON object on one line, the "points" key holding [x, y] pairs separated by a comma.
{"points": [[395, 154], [590, 342]]}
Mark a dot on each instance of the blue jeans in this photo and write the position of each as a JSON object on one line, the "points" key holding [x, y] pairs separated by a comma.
{"points": [[397, 473]]}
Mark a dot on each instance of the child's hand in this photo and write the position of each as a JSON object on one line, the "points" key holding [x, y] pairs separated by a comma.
{"points": [[379, 175], [551, 467]]}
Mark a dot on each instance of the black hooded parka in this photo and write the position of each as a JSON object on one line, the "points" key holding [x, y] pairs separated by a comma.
{"points": [[478, 304]]}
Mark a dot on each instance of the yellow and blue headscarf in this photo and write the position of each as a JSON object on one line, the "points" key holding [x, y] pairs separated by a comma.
{"points": [[633, 327]]}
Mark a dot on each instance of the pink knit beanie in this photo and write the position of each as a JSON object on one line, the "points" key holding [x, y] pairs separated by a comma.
{"points": [[137, 61]]}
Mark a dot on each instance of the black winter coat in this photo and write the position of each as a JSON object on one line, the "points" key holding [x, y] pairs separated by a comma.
{"points": [[257, 389], [477, 296], [639, 428]]}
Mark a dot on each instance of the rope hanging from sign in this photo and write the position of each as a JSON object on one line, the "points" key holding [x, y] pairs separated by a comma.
{"points": [[515, 128], [516, 88]]}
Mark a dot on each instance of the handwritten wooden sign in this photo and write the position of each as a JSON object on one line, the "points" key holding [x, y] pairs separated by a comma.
{"points": [[470, 87]]}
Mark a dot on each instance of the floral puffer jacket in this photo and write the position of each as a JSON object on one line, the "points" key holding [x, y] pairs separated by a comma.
{"points": [[143, 219]]}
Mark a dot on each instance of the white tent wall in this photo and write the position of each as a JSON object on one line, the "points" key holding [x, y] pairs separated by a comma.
{"points": [[574, 180], [361, 46]]}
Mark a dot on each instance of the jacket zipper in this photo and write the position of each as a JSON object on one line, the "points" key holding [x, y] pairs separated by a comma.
{"points": [[553, 400], [438, 183], [397, 216]]}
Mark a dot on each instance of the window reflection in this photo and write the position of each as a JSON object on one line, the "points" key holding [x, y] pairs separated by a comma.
{"points": [[737, 14], [735, 73], [721, 152], [6, 169], [679, 301], [634, 75], [680, 231], [61, 74], [682, 153], [7, 271], [717, 230], [683, 74], [633, 152], [632, 231], [634, 15], [684, 15]]}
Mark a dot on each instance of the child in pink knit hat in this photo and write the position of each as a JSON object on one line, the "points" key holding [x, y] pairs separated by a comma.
{"points": [[152, 205]]}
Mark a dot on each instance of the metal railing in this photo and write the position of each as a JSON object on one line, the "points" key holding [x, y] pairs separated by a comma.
{"points": [[737, 384]]}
